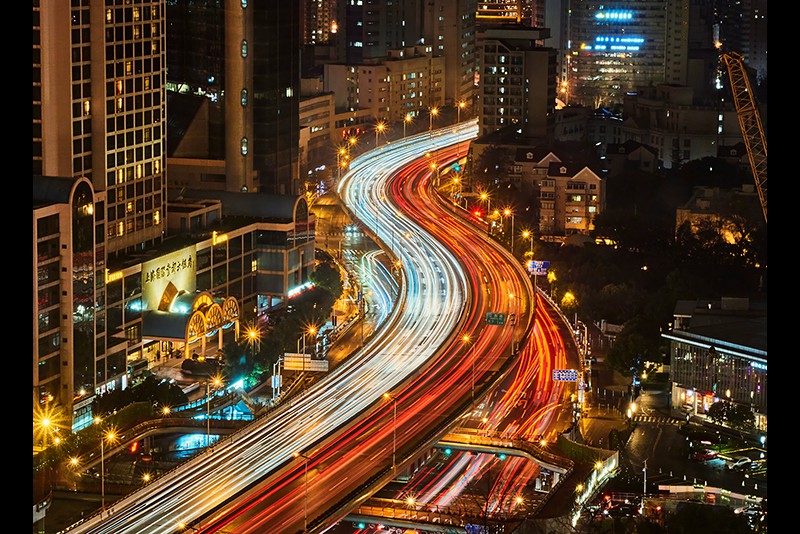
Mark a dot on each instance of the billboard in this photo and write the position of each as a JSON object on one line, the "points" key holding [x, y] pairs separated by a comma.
{"points": [[175, 271], [293, 361], [538, 268]]}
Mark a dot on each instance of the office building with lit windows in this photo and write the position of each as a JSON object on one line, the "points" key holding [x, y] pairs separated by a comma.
{"points": [[108, 256], [244, 57], [99, 135], [614, 47], [718, 351], [517, 80]]}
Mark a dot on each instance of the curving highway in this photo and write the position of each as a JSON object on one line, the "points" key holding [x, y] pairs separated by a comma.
{"points": [[299, 466]]}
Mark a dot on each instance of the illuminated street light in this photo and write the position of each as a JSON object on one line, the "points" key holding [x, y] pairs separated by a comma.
{"points": [[216, 382], [527, 234], [434, 112], [408, 118], [111, 436], [506, 213], [379, 128]]}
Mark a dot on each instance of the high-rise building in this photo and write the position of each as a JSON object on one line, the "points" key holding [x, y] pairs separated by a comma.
{"points": [[99, 116], [517, 80], [450, 28], [319, 21], [741, 27], [615, 47], [245, 57]]}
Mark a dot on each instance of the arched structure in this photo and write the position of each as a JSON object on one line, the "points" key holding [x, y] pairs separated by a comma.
{"points": [[192, 318]]}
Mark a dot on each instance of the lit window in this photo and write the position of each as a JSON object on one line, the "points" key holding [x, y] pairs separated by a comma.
{"points": [[154, 47], [129, 67], [137, 32], [86, 108], [118, 86], [244, 4], [244, 47], [244, 146], [109, 16], [147, 82], [289, 92], [129, 207], [139, 171], [157, 217], [119, 104], [121, 228], [244, 97], [157, 166], [135, 13], [253, 266]]}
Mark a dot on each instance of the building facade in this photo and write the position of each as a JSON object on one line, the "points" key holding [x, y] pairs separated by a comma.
{"points": [[667, 118], [718, 351], [615, 47], [99, 115], [244, 57], [517, 80]]}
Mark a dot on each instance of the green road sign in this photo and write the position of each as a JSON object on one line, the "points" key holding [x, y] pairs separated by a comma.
{"points": [[496, 318]]}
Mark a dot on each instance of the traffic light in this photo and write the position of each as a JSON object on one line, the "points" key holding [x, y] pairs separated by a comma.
{"points": [[134, 448], [477, 214]]}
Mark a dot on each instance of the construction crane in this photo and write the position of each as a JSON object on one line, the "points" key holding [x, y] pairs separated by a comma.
{"points": [[750, 122]]}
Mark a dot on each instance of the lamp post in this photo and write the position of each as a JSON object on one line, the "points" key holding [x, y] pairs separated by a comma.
{"points": [[506, 213], [305, 499], [406, 120], [217, 382], [527, 234], [392, 398], [340, 154], [434, 112], [486, 198], [459, 106], [111, 437], [379, 128]]}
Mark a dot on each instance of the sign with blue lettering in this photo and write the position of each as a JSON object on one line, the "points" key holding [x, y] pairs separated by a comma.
{"points": [[565, 375], [539, 268]]}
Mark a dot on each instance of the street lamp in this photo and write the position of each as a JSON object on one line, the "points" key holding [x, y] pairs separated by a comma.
{"points": [[461, 105], [379, 128], [435, 168], [406, 120], [305, 499], [434, 112], [253, 337], [390, 397], [527, 234], [341, 153], [111, 436], [484, 196], [506, 213], [217, 382]]}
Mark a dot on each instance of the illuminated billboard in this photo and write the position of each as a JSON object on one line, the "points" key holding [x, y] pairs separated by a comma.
{"points": [[166, 274]]}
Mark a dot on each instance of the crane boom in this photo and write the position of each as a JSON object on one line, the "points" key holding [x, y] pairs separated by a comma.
{"points": [[750, 122]]}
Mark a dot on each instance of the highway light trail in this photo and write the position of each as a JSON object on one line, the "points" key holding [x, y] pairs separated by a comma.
{"points": [[261, 454]]}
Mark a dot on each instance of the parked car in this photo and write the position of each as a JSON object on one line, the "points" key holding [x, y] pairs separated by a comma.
{"points": [[703, 455], [739, 463]]}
